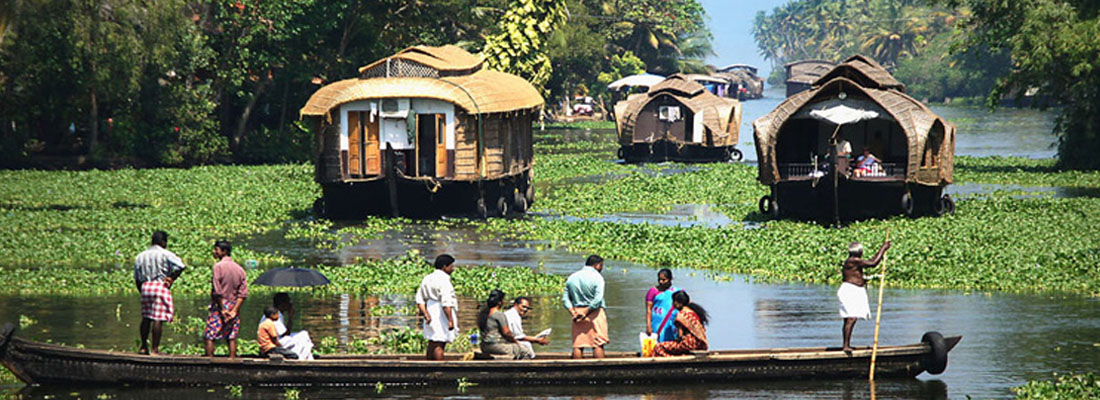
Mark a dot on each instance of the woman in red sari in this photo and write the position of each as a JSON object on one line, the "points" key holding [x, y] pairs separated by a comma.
{"points": [[690, 320]]}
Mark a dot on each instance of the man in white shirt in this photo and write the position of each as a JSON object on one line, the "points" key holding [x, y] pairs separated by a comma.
{"points": [[521, 306], [438, 304]]}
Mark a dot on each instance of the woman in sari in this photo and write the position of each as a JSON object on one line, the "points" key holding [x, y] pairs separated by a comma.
{"points": [[691, 319], [659, 312], [496, 337]]}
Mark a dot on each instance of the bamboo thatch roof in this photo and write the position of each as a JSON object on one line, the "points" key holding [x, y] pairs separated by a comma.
{"points": [[807, 71], [447, 58], [480, 91], [716, 110], [864, 70], [915, 119]]}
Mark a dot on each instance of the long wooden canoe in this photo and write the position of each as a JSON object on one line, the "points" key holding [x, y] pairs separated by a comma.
{"points": [[48, 364]]}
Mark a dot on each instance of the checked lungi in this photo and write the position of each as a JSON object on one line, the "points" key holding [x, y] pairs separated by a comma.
{"points": [[218, 329], [156, 301]]}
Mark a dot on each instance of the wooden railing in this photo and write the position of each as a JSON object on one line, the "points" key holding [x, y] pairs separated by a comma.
{"points": [[806, 170]]}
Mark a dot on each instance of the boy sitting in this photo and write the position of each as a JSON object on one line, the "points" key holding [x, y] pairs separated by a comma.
{"points": [[268, 336]]}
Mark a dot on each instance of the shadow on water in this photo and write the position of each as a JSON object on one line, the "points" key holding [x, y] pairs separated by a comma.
{"points": [[887, 389]]}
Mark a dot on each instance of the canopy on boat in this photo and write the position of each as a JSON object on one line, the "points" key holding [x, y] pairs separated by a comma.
{"points": [[645, 79]]}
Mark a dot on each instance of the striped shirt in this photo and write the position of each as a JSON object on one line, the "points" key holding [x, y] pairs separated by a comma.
{"points": [[155, 264]]}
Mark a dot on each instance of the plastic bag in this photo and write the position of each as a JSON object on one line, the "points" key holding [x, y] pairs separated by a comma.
{"points": [[647, 342]]}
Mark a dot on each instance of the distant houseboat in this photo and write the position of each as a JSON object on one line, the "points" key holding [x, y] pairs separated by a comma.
{"points": [[745, 80], [424, 131], [801, 75], [856, 106], [678, 119]]}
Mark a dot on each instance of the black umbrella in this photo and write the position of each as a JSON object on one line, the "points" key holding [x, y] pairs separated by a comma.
{"points": [[291, 276]]}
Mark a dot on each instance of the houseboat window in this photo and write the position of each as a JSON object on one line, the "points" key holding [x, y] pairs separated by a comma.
{"points": [[389, 105], [668, 113]]}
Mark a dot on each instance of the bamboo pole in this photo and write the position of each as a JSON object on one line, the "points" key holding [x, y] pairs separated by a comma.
{"points": [[878, 313]]}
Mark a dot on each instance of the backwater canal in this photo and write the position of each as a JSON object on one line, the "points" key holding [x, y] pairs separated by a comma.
{"points": [[1008, 338]]}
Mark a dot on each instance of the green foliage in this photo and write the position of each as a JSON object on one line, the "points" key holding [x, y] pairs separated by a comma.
{"points": [[1082, 386], [292, 393], [235, 391], [519, 48], [1055, 50], [621, 66]]}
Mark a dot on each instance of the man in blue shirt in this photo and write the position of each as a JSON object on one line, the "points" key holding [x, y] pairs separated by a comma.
{"points": [[583, 297]]}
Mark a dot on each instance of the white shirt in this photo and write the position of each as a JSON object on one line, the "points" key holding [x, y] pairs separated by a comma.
{"points": [[437, 286], [156, 263], [515, 323], [843, 147]]}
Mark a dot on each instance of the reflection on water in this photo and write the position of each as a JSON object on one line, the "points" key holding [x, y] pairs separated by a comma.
{"points": [[831, 390], [681, 215], [1008, 338]]}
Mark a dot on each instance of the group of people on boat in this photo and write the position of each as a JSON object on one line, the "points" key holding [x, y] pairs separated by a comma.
{"points": [[157, 268], [678, 324]]}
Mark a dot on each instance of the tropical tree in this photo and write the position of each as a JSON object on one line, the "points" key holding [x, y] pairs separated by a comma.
{"points": [[519, 47]]}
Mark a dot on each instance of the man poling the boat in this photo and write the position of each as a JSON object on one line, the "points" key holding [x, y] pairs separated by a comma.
{"points": [[853, 292], [583, 297], [438, 303]]}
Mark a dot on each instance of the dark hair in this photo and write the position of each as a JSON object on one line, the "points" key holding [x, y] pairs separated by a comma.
{"points": [[271, 311], [443, 260], [225, 246], [281, 298], [521, 298], [496, 297], [666, 272], [593, 260], [683, 298], [160, 238]]}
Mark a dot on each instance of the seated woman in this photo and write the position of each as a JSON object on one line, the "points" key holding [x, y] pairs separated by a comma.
{"points": [[867, 164], [496, 337], [298, 342], [691, 319]]}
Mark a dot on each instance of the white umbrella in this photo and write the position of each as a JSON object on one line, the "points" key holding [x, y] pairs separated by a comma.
{"points": [[841, 114], [646, 80]]}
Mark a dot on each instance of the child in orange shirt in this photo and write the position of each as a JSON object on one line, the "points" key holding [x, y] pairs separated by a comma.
{"points": [[268, 336]]}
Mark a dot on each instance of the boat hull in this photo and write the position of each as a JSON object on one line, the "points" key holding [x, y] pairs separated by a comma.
{"points": [[47, 364]]}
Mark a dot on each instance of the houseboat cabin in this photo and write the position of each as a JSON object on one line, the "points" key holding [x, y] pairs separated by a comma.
{"points": [[745, 79], [426, 131], [801, 75], [854, 146], [678, 119]]}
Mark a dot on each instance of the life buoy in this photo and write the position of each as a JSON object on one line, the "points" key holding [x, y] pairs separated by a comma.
{"points": [[520, 202], [735, 155], [936, 362], [622, 153], [949, 204], [764, 205], [480, 208], [907, 205], [502, 206]]}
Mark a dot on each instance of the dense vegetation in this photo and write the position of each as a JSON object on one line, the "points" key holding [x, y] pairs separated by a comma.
{"points": [[1055, 50], [1064, 387], [910, 38], [184, 82]]}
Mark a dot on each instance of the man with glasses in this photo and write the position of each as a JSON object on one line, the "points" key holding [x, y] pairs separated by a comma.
{"points": [[521, 306]]}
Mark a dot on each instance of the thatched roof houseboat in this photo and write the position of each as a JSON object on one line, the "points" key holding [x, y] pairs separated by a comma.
{"points": [[678, 119], [424, 131], [801, 75], [749, 85], [809, 149]]}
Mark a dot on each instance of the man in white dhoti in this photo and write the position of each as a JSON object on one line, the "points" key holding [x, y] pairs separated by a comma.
{"points": [[298, 342], [521, 306], [853, 292], [438, 304]]}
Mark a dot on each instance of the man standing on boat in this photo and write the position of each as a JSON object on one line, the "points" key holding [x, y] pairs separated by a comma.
{"points": [[853, 292], [583, 297], [226, 296], [438, 303], [154, 271]]}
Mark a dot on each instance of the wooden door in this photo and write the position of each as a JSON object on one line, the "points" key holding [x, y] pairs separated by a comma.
{"points": [[355, 144], [371, 149], [441, 145]]}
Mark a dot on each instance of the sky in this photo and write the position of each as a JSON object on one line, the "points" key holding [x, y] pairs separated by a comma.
{"points": [[730, 22]]}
